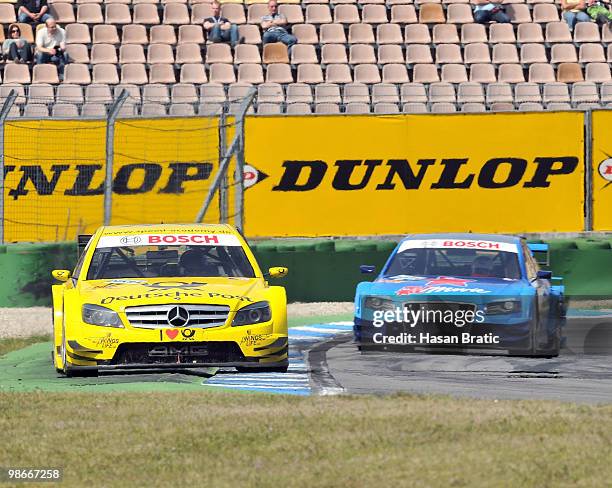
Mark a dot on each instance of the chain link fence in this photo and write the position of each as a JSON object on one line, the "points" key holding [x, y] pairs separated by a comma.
{"points": [[65, 176]]}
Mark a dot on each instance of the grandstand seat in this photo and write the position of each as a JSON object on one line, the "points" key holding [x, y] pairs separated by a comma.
{"points": [[389, 34], [298, 109], [356, 93], [36, 110], [298, 93], [193, 73], [390, 53], [212, 93], [527, 92], [279, 73], [96, 110], [302, 53], [403, 14], [65, 110], [327, 93], [357, 108], [69, 93], [45, 73], [78, 53], [134, 73], [98, 93], [584, 91], [189, 53], [414, 108], [361, 53], [569, 73], [151, 109], [78, 34], [41, 93], [563, 53], [102, 53], [589, 53], [470, 92], [442, 92], [499, 93], [17, 73], [505, 32], [476, 52], [555, 92], [132, 34], [162, 34], [305, 34], [270, 93], [105, 73], [275, 52]]}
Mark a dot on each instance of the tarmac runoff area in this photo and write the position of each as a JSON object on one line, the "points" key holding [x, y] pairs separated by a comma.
{"points": [[323, 360]]}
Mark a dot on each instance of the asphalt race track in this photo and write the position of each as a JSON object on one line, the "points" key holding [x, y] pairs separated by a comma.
{"points": [[582, 372]]}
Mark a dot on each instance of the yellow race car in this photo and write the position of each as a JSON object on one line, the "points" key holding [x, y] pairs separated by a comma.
{"points": [[168, 296]]}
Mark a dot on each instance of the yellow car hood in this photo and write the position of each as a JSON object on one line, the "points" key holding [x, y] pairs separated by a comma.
{"points": [[128, 292]]}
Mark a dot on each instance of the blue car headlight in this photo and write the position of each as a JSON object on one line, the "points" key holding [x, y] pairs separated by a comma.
{"points": [[377, 303], [98, 315], [253, 314], [503, 307]]}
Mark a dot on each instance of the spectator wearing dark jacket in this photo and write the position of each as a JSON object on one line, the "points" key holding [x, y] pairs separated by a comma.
{"points": [[32, 11]]}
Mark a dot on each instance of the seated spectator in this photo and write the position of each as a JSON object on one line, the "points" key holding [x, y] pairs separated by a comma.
{"points": [[220, 29], [274, 26], [574, 12], [16, 48], [488, 11], [50, 45], [32, 11], [599, 12]]}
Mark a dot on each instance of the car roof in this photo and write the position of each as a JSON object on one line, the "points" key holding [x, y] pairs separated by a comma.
{"points": [[466, 236], [169, 229]]}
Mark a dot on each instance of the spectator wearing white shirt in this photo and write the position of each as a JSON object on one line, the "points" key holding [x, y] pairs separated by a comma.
{"points": [[50, 45]]}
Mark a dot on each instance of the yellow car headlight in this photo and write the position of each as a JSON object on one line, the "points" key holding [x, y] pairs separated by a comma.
{"points": [[253, 314], [98, 315]]}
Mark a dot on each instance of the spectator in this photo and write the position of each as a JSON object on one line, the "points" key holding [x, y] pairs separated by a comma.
{"points": [[16, 48], [599, 12], [274, 28], [220, 29], [50, 45], [32, 11], [574, 12], [487, 11]]}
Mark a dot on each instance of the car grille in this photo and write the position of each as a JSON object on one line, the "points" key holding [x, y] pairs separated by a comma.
{"points": [[156, 316]]}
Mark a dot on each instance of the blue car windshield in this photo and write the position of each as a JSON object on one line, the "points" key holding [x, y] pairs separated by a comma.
{"points": [[454, 262]]}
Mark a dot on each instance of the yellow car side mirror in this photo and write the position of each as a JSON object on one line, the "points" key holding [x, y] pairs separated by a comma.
{"points": [[278, 272], [61, 274]]}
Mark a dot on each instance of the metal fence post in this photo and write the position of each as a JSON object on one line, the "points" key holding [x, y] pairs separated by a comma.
{"points": [[588, 170], [239, 172], [223, 193], [6, 107], [236, 147], [110, 153]]}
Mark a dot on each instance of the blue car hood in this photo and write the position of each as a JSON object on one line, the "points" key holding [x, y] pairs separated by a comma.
{"points": [[410, 286]]}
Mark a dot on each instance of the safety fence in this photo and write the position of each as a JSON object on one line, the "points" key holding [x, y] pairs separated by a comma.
{"points": [[64, 177], [317, 175]]}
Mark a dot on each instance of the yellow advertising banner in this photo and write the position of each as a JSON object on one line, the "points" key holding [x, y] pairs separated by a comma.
{"points": [[602, 170], [55, 170], [368, 175]]}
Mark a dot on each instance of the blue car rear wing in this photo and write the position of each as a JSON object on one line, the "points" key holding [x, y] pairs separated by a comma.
{"points": [[540, 253]]}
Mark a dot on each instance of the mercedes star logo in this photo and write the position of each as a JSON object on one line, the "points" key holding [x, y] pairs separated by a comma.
{"points": [[178, 316]]}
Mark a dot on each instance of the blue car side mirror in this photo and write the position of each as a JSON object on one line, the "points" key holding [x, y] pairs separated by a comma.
{"points": [[367, 269], [544, 275]]}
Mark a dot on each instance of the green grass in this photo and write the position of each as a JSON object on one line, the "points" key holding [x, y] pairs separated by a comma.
{"points": [[230, 439], [13, 344]]}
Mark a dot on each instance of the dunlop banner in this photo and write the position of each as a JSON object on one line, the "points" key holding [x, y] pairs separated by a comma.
{"points": [[602, 170], [55, 170], [368, 175]]}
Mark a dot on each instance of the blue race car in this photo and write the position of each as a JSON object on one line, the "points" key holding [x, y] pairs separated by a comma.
{"points": [[461, 292]]}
